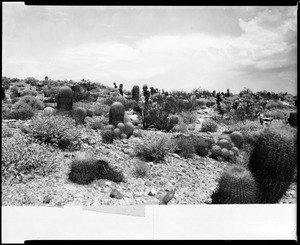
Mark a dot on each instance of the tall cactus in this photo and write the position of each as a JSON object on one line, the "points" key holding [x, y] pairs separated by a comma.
{"points": [[65, 98], [236, 186], [136, 93], [116, 113], [273, 163]]}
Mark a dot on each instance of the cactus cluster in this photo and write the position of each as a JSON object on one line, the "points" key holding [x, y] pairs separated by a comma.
{"points": [[273, 164], [236, 186], [120, 131], [224, 149]]}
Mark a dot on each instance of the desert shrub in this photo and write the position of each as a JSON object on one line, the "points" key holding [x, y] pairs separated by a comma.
{"points": [[236, 186], [96, 124], [275, 105], [14, 92], [23, 161], [59, 131], [245, 126], [184, 147], [142, 169], [209, 126], [85, 170], [277, 114], [153, 148], [128, 104], [6, 132], [188, 118], [273, 163], [35, 103], [29, 92], [81, 104], [19, 111], [210, 103], [181, 127], [202, 145], [155, 116], [100, 109]]}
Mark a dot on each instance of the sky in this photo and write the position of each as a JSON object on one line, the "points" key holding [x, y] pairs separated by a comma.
{"points": [[167, 47]]}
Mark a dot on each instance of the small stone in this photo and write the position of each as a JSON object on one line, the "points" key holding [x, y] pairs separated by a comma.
{"points": [[46, 199], [152, 192], [116, 194], [168, 187], [108, 183], [148, 183]]}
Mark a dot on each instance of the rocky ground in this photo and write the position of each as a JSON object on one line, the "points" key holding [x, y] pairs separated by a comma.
{"points": [[193, 179]]}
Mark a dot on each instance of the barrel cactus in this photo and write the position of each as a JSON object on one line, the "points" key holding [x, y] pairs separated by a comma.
{"points": [[236, 186], [65, 98], [116, 113], [136, 93], [237, 138], [89, 113], [273, 164], [79, 115], [49, 111], [108, 136], [129, 128], [216, 151], [223, 143]]}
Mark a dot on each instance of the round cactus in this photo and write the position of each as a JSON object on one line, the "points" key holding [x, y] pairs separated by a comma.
{"points": [[237, 138], [123, 136], [49, 111], [117, 132], [216, 151], [90, 113], [116, 113], [126, 117], [79, 115], [220, 159], [223, 143], [136, 93], [273, 163], [236, 186], [109, 127], [225, 136], [65, 98], [225, 153], [121, 126], [107, 136], [129, 128], [235, 150], [231, 155]]}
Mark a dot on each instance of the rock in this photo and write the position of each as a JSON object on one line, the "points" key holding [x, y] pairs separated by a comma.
{"points": [[47, 199], [148, 183], [104, 151], [108, 183], [116, 194], [152, 192], [167, 198], [169, 187]]}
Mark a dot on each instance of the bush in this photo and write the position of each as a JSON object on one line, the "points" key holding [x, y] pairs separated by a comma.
{"points": [[188, 118], [35, 103], [19, 111], [279, 114], [100, 109], [22, 160], [209, 126], [275, 105], [153, 148], [29, 92], [185, 147], [85, 170], [201, 145], [142, 169], [59, 131]]}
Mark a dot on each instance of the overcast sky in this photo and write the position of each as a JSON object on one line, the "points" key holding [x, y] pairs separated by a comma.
{"points": [[174, 48]]}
